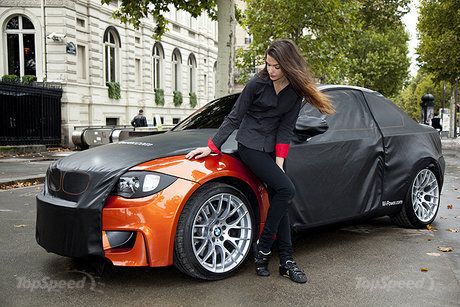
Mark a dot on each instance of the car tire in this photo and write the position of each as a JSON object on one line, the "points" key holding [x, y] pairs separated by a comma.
{"points": [[215, 232], [422, 199]]}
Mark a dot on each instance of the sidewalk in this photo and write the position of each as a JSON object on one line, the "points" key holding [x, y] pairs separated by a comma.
{"points": [[19, 169], [31, 169], [451, 144]]}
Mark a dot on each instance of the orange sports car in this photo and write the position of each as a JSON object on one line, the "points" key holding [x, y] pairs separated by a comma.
{"points": [[141, 203]]}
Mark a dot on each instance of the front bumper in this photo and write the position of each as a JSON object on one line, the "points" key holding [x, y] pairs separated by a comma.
{"points": [[69, 231], [153, 219], [66, 230]]}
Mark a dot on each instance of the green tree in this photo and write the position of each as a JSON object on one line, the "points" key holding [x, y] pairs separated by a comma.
{"points": [[439, 34], [409, 98], [133, 11], [362, 42], [378, 50], [439, 46], [315, 26]]}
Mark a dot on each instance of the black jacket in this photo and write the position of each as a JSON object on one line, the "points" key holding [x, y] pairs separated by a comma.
{"points": [[139, 121], [265, 120]]}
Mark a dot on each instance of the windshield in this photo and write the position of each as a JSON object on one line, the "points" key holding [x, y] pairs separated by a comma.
{"points": [[210, 116]]}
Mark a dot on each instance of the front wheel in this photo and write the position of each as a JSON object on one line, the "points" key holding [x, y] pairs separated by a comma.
{"points": [[422, 200], [214, 233]]}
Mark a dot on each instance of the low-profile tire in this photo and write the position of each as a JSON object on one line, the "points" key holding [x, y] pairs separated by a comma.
{"points": [[422, 199], [215, 232]]}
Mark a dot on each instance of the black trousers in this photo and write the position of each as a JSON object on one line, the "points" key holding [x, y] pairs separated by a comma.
{"points": [[281, 191]]}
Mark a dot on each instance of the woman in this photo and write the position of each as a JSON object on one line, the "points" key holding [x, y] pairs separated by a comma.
{"points": [[265, 113]]}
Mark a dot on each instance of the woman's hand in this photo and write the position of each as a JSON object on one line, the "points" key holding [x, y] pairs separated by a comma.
{"points": [[280, 162], [199, 153]]}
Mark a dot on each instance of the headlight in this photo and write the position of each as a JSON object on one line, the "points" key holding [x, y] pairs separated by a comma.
{"points": [[140, 184]]}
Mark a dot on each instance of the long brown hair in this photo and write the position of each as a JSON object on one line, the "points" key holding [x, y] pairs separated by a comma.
{"points": [[295, 68]]}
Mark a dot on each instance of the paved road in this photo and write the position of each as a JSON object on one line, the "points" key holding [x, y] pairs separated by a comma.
{"points": [[368, 264]]}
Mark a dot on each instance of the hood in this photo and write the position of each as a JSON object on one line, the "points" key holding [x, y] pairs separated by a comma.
{"points": [[128, 153]]}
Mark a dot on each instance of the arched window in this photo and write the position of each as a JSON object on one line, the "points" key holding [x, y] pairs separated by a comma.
{"points": [[176, 61], [111, 48], [157, 65], [20, 37], [191, 63]]}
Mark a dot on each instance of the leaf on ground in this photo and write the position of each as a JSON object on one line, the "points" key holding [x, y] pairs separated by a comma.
{"points": [[450, 206], [434, 254], [20, 226], [429, 227], [424, 269], [445, 249], [452, 229]]}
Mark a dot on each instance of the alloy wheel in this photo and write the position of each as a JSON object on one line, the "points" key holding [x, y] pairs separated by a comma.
{"points": [[221, 233], [425, 195]]}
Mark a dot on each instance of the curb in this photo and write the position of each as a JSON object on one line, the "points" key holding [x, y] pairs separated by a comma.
{"points": [[6, 185], [22, 149], [450, 144]]}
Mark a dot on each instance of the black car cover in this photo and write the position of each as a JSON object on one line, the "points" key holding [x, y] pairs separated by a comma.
{"points": [[69, 212], [362, 165]]}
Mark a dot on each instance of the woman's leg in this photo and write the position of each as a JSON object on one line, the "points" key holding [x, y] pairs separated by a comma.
{"points": [[284, 239], [281, 192], [265, 168]]}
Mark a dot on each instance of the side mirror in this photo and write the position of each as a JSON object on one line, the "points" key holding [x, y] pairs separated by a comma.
{"points": [[309, 126]]}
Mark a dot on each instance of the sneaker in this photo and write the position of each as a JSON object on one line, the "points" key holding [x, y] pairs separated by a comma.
{"points": [[261, 260], [293, 272]]}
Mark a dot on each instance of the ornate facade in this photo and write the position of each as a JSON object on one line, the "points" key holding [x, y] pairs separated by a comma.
{"points": [[79, 44]]}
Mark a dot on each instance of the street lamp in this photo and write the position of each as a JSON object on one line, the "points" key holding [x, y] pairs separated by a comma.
{"points": [[427, 108]]}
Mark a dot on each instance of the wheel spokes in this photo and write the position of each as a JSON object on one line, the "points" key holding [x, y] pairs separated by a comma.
{"points": [[222, 233], [425, 195]]}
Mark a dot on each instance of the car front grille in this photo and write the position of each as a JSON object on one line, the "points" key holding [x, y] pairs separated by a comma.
{"points": [[68, 185]]}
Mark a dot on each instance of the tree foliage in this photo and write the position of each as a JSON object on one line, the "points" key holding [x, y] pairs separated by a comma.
{"points": [[133, 11], [410, 96], [439, 33], [362, 42]]}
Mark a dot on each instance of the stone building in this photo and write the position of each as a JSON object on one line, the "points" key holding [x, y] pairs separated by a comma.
{"points": [[79, 45]]}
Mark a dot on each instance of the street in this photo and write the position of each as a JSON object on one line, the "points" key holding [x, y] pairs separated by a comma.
{"points": [[375, 263]]}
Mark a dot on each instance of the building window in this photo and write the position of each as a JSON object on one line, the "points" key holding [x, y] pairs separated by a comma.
{"points": [[175, 120], [191, 63], [80, 22], [157, 63], [205, 85], [138, 74], [111, 121], [248, 39], [20, 38], [81, 62], [111, 49], [155, 122], [176, 61]]}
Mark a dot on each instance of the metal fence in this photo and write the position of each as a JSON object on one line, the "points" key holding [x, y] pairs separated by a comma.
{"points": [[30, 114]]}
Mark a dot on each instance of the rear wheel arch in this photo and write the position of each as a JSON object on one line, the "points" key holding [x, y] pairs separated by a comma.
{"points": [[427, 162]]}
